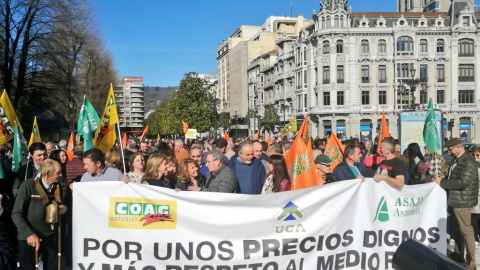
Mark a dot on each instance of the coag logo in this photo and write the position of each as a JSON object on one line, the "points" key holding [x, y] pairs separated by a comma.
{"points": [[382, 211], [137, 213]]}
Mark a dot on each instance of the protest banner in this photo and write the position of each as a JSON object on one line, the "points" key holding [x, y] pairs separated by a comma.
{"points": [[343, 225]]}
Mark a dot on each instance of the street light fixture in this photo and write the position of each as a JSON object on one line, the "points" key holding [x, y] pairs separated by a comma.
{"points": [[73, 109], [214, 101], [283, 106], [236, 121], [412, 84]]}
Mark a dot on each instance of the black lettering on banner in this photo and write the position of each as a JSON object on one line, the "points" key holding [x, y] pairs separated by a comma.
{"points": [[148, 267], [129, 249], [422, 233], [435, 236], [329, 240], [366, 239], [350, 262], [392, 241], [289, 246], [375, 257], [116, 245], [87, 247], [212, 251], [320, 243], [106, 266], [173, 267], [90, 266], [339, 260], [303, 243], [223, 267], [292, 265], [322, 264], [207, 267], [239, 266], [255, 266], [388, 259], [273, 264], [227, 250], [250, 247], [179, 249], [156, 250], [190, 267], [348, 237], [271, 245]]}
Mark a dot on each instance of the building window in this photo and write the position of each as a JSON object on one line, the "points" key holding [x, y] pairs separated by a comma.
{"points": [[340, 46], [440, 73], [423, 97], [304, 55], [465, 73], [440, 46], [465, 47], [465, 96], [382, 46], [340, 98], [405, 44], [365, 74], [326, 75], [382, 97], [423, 72], [326, 47], [441, 96], [365, 97], [336, 21], [403, 70], [326, 98], [466, 20], [382, 74], [365, 47], [340, 74], [423, 46]]}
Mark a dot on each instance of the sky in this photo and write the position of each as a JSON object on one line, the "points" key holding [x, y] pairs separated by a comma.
{"points": [[163, 40]]}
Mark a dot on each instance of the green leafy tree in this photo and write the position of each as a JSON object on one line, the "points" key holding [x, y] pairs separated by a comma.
{"points": [[190, 103], [271, 118], [223, 119]]}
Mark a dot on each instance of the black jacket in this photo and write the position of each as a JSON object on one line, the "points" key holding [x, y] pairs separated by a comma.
{"points": [[462, 184]]}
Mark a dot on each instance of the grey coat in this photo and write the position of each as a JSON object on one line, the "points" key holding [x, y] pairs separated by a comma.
{"points": [[462, 183], [222, 180]]}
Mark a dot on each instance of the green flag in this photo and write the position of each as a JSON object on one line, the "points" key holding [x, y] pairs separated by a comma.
{"points": [[87, 123], [19, 145], [430, 131]]}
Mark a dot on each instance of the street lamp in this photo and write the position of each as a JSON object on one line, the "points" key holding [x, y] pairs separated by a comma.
{"points": [[214, 101], [283, 106], [412, 84], [235, 116], [73, 109]]}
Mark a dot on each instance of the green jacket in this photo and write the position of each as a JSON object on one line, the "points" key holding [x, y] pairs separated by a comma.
{"points": [[463, 183]]}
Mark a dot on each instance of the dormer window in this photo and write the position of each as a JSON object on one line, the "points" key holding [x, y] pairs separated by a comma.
{"points": [[466, 20]]}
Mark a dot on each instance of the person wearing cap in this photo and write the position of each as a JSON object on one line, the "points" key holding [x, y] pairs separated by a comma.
{"points": [[323, 162], [351, 167], [462, 184]]}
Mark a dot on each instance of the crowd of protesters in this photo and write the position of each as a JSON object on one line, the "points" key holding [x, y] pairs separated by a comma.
{"points": [[213, 165]]}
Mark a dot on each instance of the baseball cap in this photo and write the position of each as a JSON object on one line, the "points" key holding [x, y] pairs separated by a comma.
{"points": [[453, 142], [323, 159]]}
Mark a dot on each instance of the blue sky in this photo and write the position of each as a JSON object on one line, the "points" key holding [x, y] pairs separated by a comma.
{"points": [[162, 40]]}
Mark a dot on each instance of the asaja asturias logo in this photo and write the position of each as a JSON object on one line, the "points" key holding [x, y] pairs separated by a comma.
{"points": [[382, 211], [138, 213]]}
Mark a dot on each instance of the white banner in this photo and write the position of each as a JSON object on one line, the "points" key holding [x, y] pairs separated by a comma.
{"points": [[344, 225]]}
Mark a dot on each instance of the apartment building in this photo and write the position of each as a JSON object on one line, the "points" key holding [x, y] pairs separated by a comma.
{"points": [[129, 96], [348, 67]]}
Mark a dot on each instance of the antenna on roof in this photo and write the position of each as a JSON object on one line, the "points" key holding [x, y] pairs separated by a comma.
{"points": [[291, 10]]}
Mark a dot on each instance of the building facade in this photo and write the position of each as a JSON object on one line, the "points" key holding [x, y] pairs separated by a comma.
{"points": [[129, 96], [347, 68]]}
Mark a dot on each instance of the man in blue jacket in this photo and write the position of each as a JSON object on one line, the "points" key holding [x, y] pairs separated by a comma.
{"points": [[351, 167], [249, 171]]}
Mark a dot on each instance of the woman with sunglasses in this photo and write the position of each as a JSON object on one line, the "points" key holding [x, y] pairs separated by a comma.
{"points": [[277, 178]]}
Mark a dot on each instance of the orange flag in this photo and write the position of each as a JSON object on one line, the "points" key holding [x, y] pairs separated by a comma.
{"points": [[300, 163], [334, 150], [256, 136], [185, 127], [124, 140], [144, 134], [384, 132], [226, 137], [268, 141], [71, 144]]}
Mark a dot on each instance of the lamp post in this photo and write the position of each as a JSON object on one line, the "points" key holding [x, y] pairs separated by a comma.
{"points": [[73, 108], [412, 83], [235, 116], [214, 101]]}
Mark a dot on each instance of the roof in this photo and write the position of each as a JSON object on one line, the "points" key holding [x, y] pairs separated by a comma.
{"points": [[399, 14]]}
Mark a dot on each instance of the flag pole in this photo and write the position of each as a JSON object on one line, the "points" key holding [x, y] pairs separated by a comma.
{"points": [[121, 148]]}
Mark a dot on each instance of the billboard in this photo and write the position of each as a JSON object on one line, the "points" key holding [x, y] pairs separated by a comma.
{"points": [[132, 79]]}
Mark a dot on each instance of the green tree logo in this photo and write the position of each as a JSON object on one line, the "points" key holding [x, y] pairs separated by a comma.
{"points": [[382, 211]]}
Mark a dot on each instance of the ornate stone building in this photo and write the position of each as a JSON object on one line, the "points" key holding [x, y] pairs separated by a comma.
{"points": [[348, 67]]}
